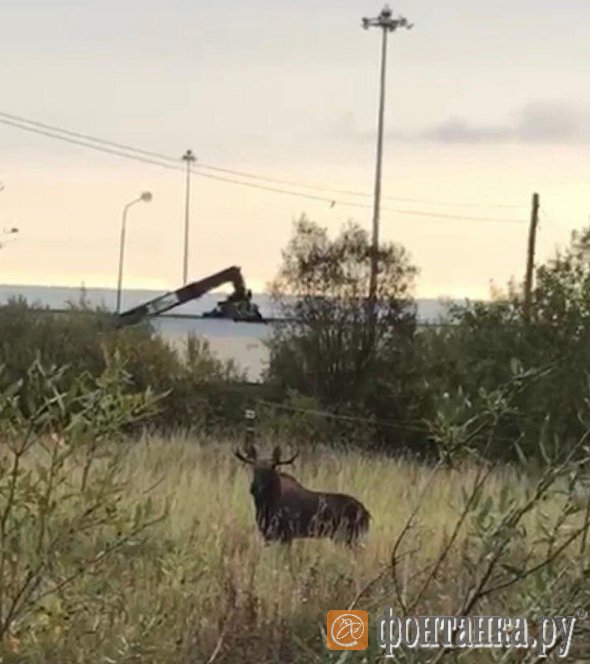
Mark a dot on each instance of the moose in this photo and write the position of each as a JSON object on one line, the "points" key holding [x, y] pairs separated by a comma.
{"points": [[286, 510]]}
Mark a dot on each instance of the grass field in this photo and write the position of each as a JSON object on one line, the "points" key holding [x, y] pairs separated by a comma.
{"points": [[201, 587]]}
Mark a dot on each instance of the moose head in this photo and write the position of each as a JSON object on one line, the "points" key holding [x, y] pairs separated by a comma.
{"points": [[266, 481]]}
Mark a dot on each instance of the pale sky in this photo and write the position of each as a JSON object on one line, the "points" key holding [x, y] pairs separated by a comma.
{"points": [[487, 102]]}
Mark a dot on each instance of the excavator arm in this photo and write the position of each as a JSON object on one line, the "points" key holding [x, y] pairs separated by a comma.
{"points": [[237, 306]]}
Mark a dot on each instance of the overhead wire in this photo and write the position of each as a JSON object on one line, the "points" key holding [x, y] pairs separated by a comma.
{"points": [[438, 215], [119, 149], [88, 145], [86, 137], [348, 192], [345, 418], [419, 213], [155, 162], [8, 118], [313, 197]]}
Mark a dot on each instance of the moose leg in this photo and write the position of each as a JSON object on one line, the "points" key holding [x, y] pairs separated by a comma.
{"points": [[346, 532], [274, 530], [351, 540], [343, 536]]}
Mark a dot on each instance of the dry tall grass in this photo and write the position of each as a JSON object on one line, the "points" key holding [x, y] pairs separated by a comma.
{"points": [[202, 587]]}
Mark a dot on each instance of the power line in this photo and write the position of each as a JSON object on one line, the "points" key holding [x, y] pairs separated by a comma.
{"points": [[364, 205], [155, 161], [441, 215], [229, 171], [418, 213], [324, 199], [88, 145], [264, 178], [346, 418], [348, 192], [118, 152], [86, 137]]}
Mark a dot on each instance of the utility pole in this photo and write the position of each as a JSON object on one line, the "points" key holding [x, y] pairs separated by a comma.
{"points": [[387, 24], [189, 157], [528, 282]]}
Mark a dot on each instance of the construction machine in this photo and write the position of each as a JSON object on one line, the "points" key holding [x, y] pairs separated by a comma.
{"points": [[237, 307]]}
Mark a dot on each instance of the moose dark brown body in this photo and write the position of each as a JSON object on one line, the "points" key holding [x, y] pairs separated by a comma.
{"points": [[286, 510]]}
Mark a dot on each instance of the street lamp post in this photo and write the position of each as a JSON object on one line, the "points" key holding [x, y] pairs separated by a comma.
{"points": [[387, 24], [189, 157], [146, 197]]}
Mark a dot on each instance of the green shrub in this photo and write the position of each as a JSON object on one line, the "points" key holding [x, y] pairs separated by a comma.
{"points": [[196, 385], [60, 490], [546, 360]]}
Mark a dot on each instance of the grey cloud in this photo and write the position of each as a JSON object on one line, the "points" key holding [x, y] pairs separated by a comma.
{"points": [[539, 122], [455, 130]]}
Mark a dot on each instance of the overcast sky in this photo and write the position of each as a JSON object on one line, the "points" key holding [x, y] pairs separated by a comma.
{"points": [[487, 102]]}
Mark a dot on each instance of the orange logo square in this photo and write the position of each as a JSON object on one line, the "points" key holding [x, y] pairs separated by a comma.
{"points": [[347, 630]]}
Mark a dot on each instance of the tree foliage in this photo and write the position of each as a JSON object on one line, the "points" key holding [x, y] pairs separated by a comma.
{"points": [[61, 487], [83, 339], [546, 360], [329, 349]]}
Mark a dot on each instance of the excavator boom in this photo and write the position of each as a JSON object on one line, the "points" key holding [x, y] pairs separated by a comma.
{"points": [[237, 306]]}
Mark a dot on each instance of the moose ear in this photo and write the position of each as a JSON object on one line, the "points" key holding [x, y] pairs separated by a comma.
{"points": [[276, 456]]}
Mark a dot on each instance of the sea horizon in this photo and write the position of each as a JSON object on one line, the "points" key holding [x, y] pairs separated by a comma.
{"points": [[243, 343]]}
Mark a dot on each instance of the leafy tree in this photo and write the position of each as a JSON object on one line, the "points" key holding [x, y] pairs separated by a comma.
{"points": [[328, 349]]}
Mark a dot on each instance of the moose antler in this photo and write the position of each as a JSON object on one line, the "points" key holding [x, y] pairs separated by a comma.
{"points": [[276, 457], [250, 454]]}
